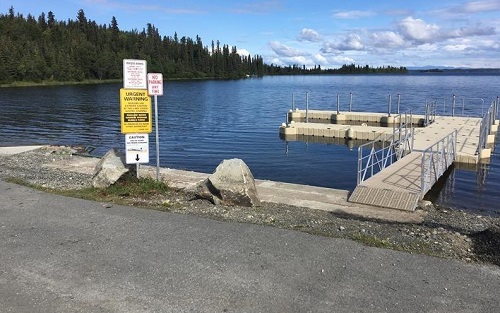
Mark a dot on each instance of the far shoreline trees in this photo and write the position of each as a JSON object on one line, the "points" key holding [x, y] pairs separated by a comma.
{"points": [[44, 49]]}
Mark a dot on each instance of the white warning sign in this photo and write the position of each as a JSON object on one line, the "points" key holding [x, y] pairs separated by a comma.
{"points": [[136, 148]]}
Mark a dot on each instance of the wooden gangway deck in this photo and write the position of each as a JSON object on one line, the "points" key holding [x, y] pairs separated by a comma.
{"points": [[397, 186]]}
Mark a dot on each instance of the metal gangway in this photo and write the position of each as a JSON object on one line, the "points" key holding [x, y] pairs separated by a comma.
{"points": [[398, 176]]}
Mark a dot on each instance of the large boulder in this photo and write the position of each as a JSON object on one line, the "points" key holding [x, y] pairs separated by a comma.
{"points": [[232, 183], [109, 169]]}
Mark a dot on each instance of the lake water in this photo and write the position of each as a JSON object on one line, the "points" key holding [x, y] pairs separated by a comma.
{"points": [[203, 122]]}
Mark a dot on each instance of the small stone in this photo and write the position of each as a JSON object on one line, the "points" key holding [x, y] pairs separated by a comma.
{"points": [[341, 228]]}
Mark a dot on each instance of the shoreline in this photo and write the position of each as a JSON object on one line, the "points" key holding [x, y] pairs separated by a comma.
{"points": [[441, 232]]}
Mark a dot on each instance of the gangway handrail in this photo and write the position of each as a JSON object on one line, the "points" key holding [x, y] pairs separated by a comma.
{"points": [[436, 159], [400, 144], [486, 124]]}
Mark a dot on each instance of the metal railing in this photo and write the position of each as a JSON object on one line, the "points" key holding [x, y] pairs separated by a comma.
{"points": [[372, 160], [430, 112], [468, 106], [436, 159], [486, 122]]}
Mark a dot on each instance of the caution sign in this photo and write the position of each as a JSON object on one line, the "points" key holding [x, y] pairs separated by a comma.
{"points": [[137, 148], [135, 111]]}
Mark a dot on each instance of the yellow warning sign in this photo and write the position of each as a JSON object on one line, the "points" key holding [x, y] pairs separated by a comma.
{"points": [[135, 111]]}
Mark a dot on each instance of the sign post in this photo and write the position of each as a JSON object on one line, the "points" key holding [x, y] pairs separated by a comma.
{"points": [[155, 88]]}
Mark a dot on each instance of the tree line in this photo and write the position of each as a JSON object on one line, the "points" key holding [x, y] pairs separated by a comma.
{"points": [[43, 48], [344, 69], [46, 49]]}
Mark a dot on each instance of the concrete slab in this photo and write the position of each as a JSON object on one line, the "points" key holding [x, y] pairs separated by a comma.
{"points": [[77, 164], [318, 198], [17, 150]]}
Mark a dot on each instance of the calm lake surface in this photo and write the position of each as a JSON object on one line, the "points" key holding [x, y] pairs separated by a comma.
{"points": [[203, 122]]}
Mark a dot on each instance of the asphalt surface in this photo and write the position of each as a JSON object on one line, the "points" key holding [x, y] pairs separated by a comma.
{"points": [[61, 254]]}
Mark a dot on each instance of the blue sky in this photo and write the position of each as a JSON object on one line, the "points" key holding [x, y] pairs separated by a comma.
{"points": [[329, 33]]}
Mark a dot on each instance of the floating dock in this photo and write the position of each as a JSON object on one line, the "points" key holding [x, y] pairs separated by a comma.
{"points": [[436, 143]]}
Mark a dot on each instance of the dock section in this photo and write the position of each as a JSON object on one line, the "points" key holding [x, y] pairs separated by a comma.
{"points": [[467, 142], [353, 118]]}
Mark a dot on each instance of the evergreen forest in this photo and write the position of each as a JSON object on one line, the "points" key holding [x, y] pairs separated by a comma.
{"points": [[39, 49]]}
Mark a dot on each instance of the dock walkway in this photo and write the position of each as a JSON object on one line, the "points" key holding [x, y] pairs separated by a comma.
{"points": [[397, 186]]}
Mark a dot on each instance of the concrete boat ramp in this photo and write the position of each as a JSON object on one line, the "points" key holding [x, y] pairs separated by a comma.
{"points": [[416, 149], [319, 198]]}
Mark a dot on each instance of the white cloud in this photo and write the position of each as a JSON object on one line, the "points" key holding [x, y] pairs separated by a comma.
{"points": [[283, 50], [427, 47], [307, 34], [340, 60], [300, 60], [455, 48], [411, 41], [242, 52], [418, 30], [387, 39], [320, 59], [466, 32], [348, 43], [476, 7], [353, 14]]}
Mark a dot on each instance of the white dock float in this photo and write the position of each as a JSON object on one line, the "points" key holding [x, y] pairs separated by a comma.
{"points": [[467, 144]]}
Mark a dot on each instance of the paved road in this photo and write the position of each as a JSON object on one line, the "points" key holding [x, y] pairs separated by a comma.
{"points": [[61, 254]]}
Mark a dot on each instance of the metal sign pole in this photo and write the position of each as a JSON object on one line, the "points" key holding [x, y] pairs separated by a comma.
{"points": [[155, 88], [157, 140]]}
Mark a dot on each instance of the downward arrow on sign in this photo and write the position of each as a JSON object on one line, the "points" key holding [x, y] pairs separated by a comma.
{"points": [[137, 158]]}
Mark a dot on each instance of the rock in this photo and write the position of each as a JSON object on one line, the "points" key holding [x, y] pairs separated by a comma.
{"points": [[425, 205], [232, 183], [109, 169]]}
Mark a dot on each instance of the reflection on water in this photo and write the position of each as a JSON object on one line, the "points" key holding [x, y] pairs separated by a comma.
{"points": [[203, 122], [349, 143]]}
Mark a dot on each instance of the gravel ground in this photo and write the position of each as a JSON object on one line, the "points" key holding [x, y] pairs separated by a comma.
{"points": [[445, 232]]}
